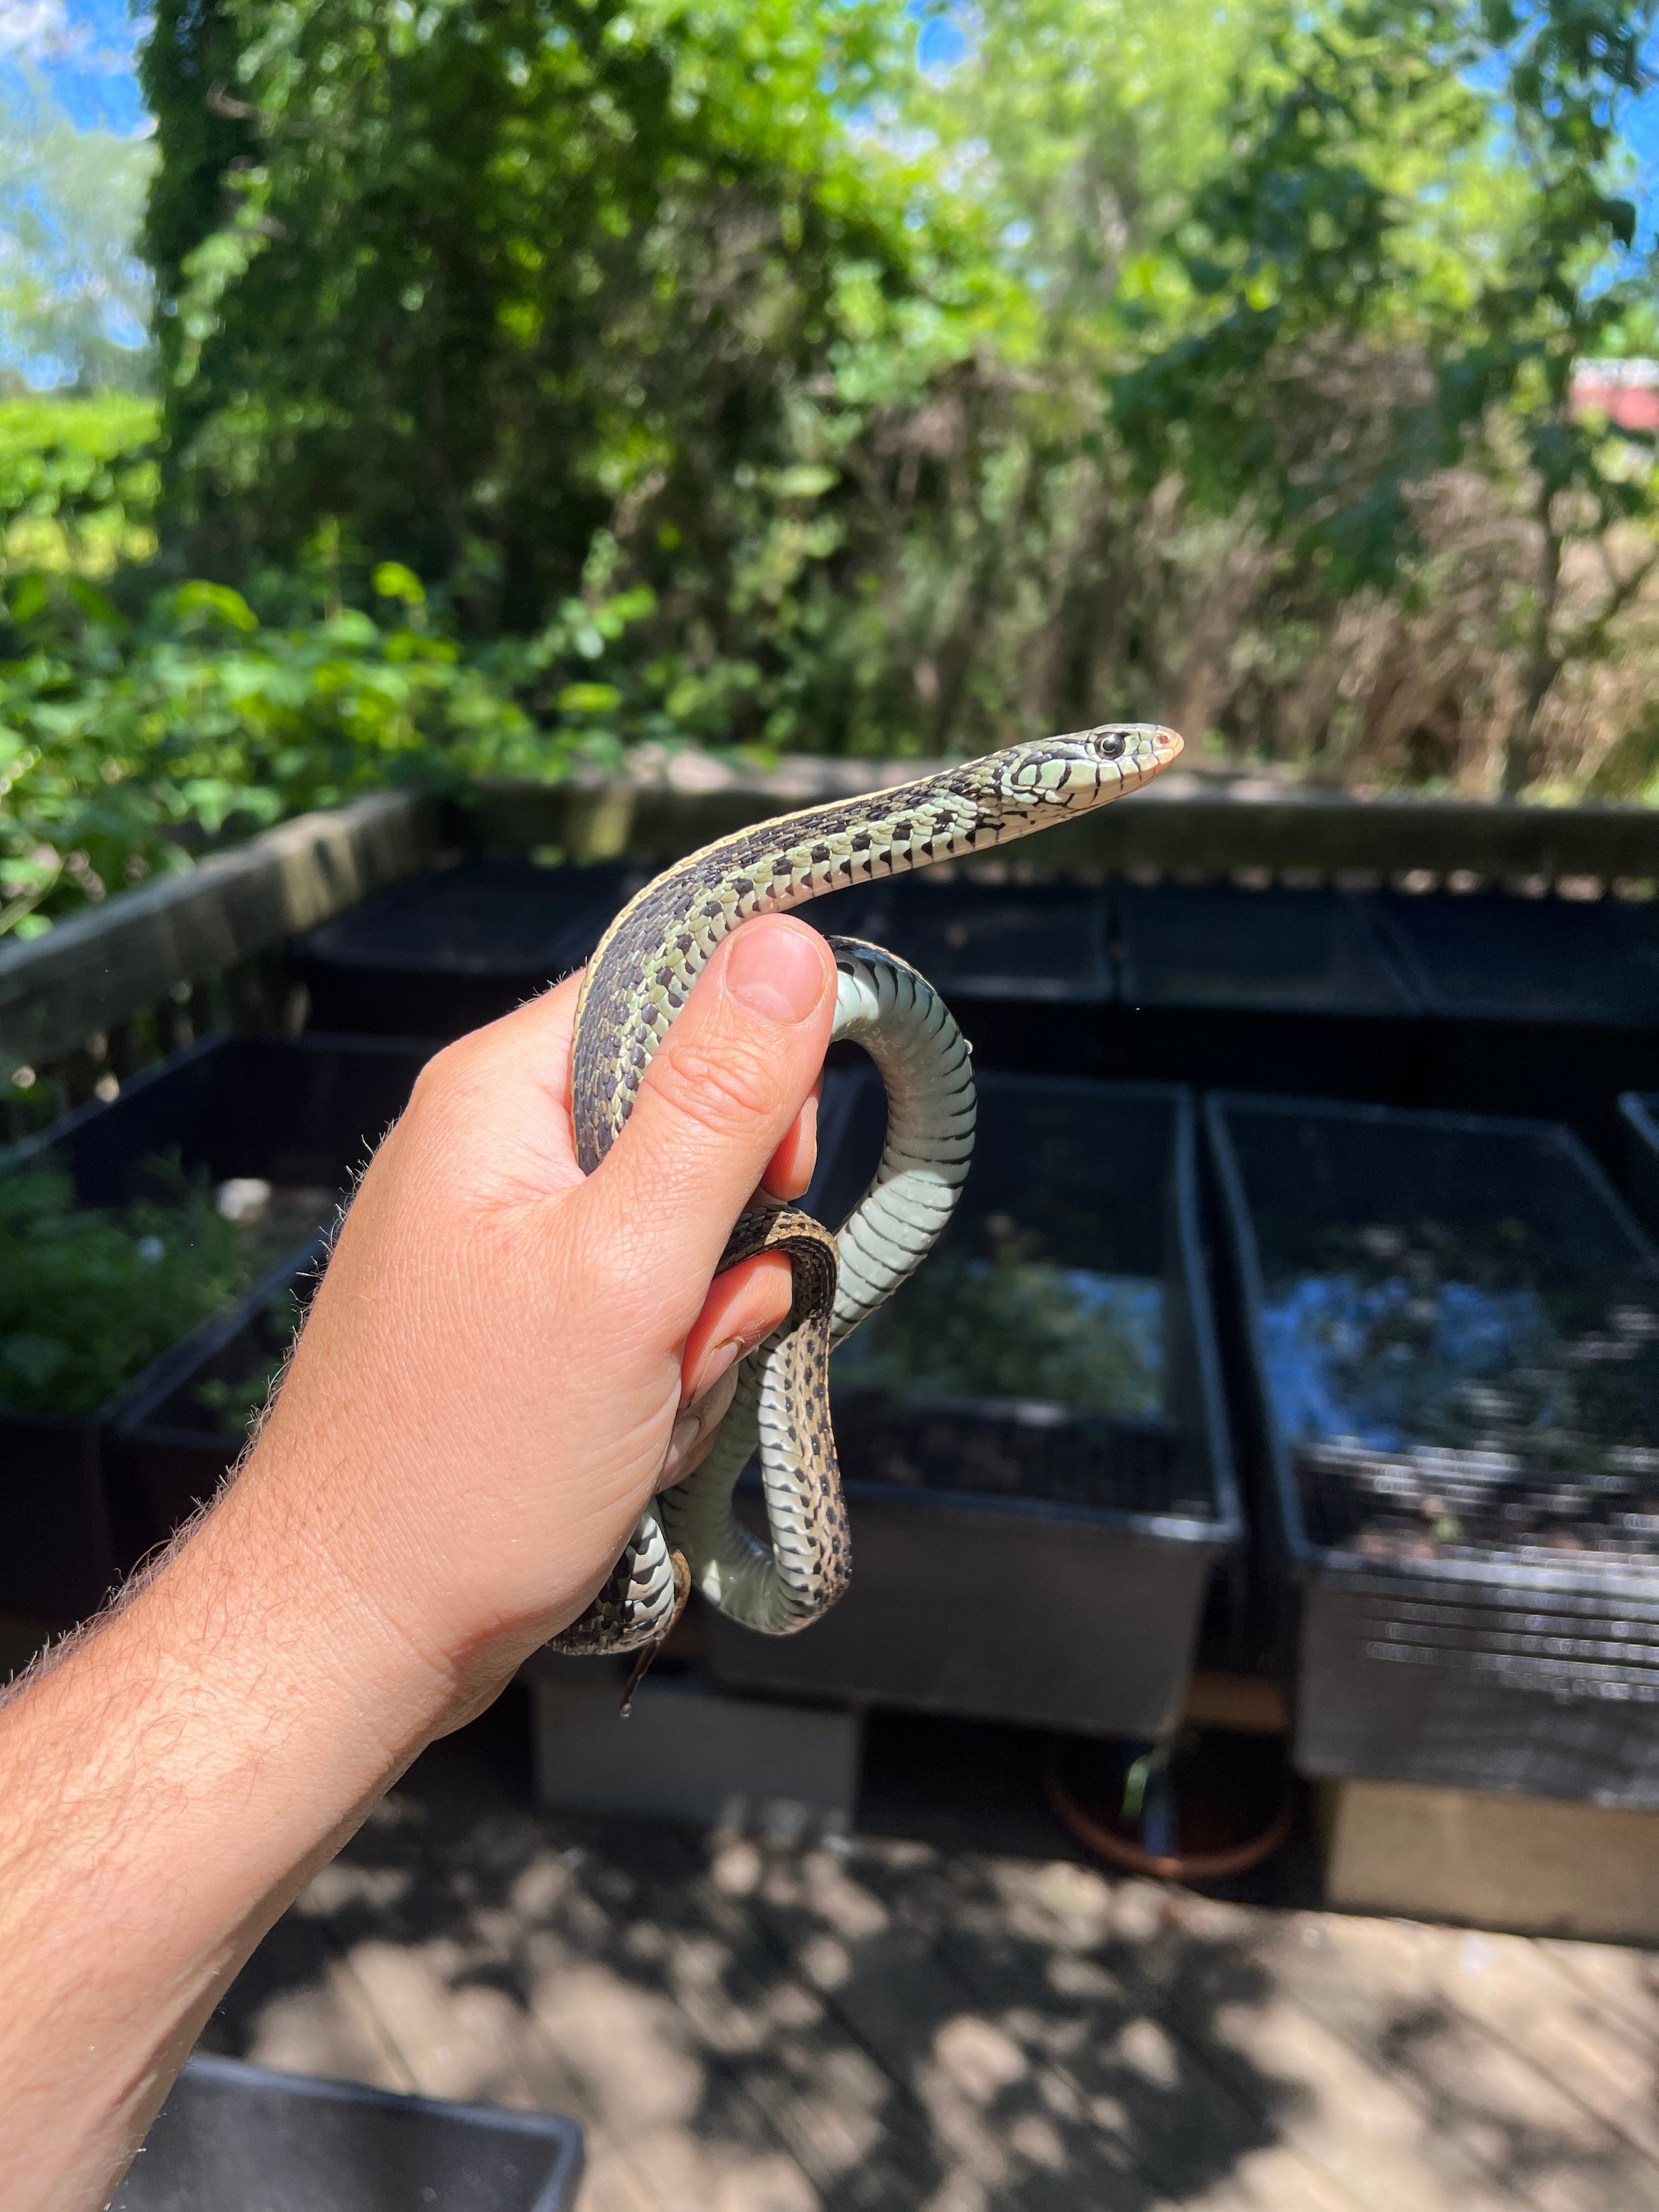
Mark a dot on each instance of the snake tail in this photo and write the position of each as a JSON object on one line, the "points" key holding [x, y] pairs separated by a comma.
{"points": [[647, 1652], [635, 1603]]}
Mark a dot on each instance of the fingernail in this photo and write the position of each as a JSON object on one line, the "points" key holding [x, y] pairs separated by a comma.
{"points": [[714, 1364], [776, 970], [684, 1434]]}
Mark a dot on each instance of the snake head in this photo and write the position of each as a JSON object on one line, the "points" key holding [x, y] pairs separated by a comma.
{"points": [[1082, 769]]}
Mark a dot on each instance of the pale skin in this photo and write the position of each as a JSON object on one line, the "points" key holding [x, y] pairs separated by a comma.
{"points": [[502, 1363]]}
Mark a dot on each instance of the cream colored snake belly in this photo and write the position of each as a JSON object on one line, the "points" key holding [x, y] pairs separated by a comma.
{"points": [[638, 979]]}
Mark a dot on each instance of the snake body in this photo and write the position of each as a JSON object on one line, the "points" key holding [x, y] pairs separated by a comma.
{"points": [[639, 978]]}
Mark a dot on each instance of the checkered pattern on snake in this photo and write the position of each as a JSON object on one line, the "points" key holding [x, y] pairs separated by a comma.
{"points": [[639, 978]]}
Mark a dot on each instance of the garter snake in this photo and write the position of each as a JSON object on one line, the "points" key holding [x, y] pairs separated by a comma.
{"points": [[640, 976]]}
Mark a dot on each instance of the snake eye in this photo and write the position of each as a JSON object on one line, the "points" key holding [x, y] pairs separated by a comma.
{"points": [[1109, 745]]}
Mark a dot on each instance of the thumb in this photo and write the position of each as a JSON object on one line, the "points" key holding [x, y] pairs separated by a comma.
{"points": [[726, 1083]]}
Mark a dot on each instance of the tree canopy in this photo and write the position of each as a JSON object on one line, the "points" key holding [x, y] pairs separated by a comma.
{"points": [[538, 378]]}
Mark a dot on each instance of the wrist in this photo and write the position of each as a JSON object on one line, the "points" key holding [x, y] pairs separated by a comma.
{"points": [[336, 1629], [387, 1612]]}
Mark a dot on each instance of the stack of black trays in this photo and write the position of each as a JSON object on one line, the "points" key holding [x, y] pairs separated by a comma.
{"points": [[1275, 990], [1024, 968], [1548, 1008], [302, 1115], [446, 953], [1452, 1327]]}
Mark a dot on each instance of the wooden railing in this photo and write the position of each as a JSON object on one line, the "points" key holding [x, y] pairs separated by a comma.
{"points": [[146, 971], [115, 986]]}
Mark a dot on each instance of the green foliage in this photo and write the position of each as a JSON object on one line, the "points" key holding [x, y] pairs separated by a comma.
{"points": [[542, 378], [126, 749], [78, 483], [89, 1297], [1303, 387], [487, 277], [1350, 346], [1417, 236], [1569, 282], [236, 1401], [1080, 129], [1630, 769], [141, 723]]}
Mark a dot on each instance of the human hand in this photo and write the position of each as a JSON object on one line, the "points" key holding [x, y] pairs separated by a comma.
{"points": [[484, 1396], [504, 1358]]}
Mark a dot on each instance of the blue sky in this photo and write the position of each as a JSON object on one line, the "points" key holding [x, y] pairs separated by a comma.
{"points": [[1642, 135], [84, 51]]}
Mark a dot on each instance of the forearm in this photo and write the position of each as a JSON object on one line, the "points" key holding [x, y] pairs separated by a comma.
{"points": [[168, 1789]]}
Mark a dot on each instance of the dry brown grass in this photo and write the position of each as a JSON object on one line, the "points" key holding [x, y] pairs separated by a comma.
{"points": [[1421, 691]]}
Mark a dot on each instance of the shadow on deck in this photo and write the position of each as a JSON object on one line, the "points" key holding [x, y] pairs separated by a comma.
{"points": [[950, 2013]]}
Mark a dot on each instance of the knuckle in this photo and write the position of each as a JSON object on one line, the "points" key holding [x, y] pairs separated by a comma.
{"points": [[716, 1088], [446, 1074]]}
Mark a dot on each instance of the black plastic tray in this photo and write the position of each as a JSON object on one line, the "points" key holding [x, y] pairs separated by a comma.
{"points": [[298, 1110], [446, 953], [1450, 1632], [1014, 1560], [168, 1451], [304, 1112], [1266, 990], [237, 2138], [1025, 968], [1639, 1110], [1543, 1008], [58, 1554]]}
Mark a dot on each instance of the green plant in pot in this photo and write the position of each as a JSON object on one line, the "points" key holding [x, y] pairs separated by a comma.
{"points": [[88, 1297]]}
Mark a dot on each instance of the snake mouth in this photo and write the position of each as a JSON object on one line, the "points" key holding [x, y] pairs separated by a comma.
{"points": [[1149, 748]]}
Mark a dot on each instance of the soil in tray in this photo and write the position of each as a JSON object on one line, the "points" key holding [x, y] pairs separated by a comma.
{"points": [[998, 1369], [1456, 1394], [88, 1296]]}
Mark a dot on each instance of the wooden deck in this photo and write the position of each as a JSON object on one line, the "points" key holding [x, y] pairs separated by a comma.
{"points": [[950, 2013]]}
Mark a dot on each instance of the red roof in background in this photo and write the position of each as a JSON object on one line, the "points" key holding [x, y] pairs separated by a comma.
{"points": [[1626, 392]]}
